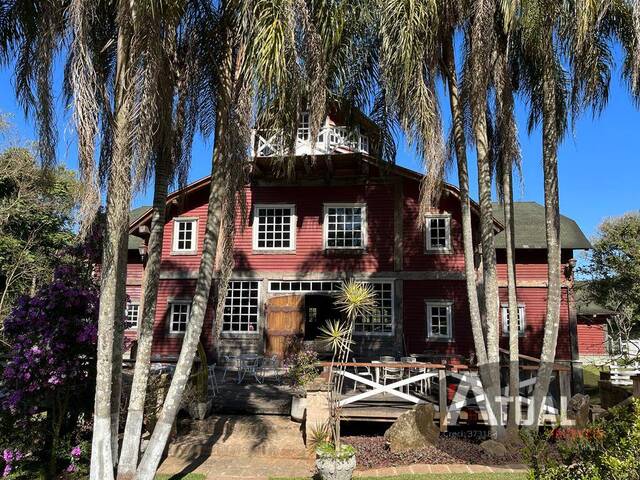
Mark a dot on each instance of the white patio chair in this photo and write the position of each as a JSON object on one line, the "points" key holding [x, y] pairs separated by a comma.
{"points": [[361, 372], [230, 362], [211, 379], [414, 371], [270, 365], [249, 364], [390, 373]]}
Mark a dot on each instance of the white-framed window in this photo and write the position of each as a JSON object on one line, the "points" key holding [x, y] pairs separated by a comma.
{"points": [[303, 127], [179, 311], [274, 227], [185, 235], [363, 141], [505, 320], [241, 307], [132, 316], [345, 226], [439, 319], [438, 233], [380, 323]]}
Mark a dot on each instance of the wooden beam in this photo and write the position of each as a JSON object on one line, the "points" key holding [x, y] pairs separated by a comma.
{"points": [[398, 226], [329, 163], [442, 394], [564, 379]]}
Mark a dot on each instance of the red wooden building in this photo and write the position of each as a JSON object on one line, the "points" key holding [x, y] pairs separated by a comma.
{"points": [[344, 215]]}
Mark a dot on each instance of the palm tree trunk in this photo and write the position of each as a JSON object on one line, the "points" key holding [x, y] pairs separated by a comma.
{"points": [[118, 339], [465, 203], [117, 223], [153, 452], [135, 413], [514, 368], [552, 230], [490, 278]]}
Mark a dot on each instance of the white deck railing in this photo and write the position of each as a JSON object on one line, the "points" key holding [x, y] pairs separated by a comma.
{"points": [[621, 374], [331, 139]]}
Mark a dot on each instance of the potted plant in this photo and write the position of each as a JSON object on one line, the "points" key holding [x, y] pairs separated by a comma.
{"points": [[301, 364], [335, 461]]}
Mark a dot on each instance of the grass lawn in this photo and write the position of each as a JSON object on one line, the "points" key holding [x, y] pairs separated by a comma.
{"points": [[443, 476], [188, 476]]}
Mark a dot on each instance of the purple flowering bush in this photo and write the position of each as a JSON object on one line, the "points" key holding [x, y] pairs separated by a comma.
{"points": [[46, 385]]}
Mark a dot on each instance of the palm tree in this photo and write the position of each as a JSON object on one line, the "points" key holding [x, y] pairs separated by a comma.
{"points": [[481, 34], [260, 48], [180, 90], [507, 153], [544, 81], [451, 21]]}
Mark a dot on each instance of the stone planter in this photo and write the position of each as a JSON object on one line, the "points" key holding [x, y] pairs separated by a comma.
{"points": [[199, 410], [298, 408], [331, 468]]}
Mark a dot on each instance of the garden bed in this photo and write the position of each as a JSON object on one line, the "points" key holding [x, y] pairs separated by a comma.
{"points": [[373, 452]]}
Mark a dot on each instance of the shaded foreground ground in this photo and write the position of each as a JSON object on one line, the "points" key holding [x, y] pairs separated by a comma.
{"points": [[447, 476]]}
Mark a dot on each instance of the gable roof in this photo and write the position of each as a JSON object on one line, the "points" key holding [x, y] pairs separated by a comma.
{"points": [[134, 215], [397, 169], [530, 231]]}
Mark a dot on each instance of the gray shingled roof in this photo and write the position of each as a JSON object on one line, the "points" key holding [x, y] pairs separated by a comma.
{"points": [[135, 242], [530, 228]]}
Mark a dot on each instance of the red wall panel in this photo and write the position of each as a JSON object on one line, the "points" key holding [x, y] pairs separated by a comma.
{"points": [[591, 339]]}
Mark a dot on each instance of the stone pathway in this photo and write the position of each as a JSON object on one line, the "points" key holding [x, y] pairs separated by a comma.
{"points": [[255, 468]]}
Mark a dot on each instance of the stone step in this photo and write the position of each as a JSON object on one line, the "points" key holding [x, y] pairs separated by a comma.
{"points": [[239, 436]]}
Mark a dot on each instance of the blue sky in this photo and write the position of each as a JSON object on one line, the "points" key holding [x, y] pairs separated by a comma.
{"points": [[599, 160]]}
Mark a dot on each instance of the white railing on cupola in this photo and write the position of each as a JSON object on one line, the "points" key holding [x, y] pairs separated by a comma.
{"points": [[331, 139]]}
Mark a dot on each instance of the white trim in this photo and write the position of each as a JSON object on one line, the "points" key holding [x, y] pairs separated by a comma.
{"points": [[173, 303], [427, 233], [308, 287], [292, 227], [132, 304], [363, 224], [258, 315], [194, 236], [522, 320], [428, 304]]}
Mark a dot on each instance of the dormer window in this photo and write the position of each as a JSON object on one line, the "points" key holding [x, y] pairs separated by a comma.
{"points": [[345, 226], [438, 234], [184, 235]]}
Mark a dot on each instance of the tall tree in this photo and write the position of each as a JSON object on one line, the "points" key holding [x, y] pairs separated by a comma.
{"points": [[180, 92], [260, 45], [36, 222], [481, 34], [540, 26], [507, 154]]}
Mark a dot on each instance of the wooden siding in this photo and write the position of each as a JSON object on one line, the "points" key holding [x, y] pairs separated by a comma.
{"points": [[592, 339], [415, 323], [415, 257], [309, 258]]}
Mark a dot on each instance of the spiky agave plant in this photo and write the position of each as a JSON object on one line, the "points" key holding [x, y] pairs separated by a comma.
{"points": [[356, 300]]}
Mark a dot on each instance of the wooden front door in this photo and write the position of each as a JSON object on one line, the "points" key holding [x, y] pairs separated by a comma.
{"points": [[285, 320]]}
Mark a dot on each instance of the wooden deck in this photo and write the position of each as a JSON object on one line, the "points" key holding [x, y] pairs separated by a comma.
{"points": [[378, 408]]}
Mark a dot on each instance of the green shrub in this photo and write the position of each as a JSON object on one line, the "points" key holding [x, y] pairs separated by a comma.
{"points": [[606, 450]]}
